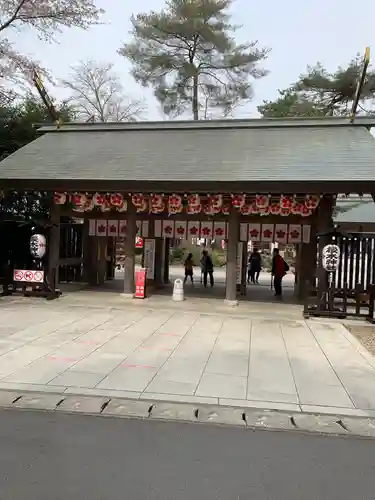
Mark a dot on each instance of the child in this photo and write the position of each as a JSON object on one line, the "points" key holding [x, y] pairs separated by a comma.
{"points": [[189, 265]]}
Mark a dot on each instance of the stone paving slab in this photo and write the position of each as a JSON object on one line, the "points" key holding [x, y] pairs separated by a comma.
{"points": [[185, 356]]}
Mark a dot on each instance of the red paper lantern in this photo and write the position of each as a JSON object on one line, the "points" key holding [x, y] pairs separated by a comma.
{"points": [[59, 198], [275, 208], [286, 202], [296, 208], [262, 201], [238, 200], [312, 201], [305, 212], [137, 200], [116, 199], [175, 204], [246, 209], [226, 208], [78, 200], [285, 212], [123, 207], [99, 199]]}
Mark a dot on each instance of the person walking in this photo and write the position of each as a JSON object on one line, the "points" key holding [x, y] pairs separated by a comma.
{"points": [[207, 268], [279, 270], [255, 266], [189, 268]]}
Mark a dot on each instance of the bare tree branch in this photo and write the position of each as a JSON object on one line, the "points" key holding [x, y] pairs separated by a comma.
{"points": [[97, 93]]}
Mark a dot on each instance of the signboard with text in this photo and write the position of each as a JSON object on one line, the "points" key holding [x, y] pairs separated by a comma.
{"points": [[140, 283]]}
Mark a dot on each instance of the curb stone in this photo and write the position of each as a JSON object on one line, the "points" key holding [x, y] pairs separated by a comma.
{"points": [[205, 414]]}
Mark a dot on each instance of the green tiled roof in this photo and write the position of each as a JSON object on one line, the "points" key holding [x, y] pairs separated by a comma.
{"points": [[235, 150]]}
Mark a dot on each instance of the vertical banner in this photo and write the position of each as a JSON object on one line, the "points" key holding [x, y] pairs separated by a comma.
{"points": [[149, 258], [193, 229], [101, 228], [140, 283], [113, 228], [281, 233], [145, 226], [243, 232], [157, 228], [92, 227], [122, 228], [268, 231], [306, 234], [139, 228], [254, 232], [206, 230], [219, 231], [180, 229], [239, 263], [294, 234], [168, 229]]}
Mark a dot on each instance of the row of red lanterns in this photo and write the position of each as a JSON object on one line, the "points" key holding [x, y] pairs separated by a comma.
{"points": [[174, 204]]}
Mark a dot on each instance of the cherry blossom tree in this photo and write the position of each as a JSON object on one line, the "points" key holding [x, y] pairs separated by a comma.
{"points": [[47, 18]]}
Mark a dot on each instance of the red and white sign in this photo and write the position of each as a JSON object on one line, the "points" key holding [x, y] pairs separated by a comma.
{"points": [[180, 230], [140, 283], [267, 233], [28, 276], [219, 231], [254, 232], [138, 242], [101, 227], [206, 229], [281, 233], [168, 229], [294, 234], [113, 228], [122, 228], [193, 229]]}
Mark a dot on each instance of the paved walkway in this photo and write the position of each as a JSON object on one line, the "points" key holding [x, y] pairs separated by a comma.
{"points": [[183, 355]]}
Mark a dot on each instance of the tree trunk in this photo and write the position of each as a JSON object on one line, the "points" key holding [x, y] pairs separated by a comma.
{"points": [[195, 103]]}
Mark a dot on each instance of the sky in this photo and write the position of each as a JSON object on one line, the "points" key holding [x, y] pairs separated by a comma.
{"points": [[298, 34]]}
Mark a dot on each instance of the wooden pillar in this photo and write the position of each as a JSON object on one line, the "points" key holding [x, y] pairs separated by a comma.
{"points": [[243, 268], [87, 241], [129, 251], [159, 256], [167, 244], [54, 248], [101, 260], [231, 268], [306, 268]]}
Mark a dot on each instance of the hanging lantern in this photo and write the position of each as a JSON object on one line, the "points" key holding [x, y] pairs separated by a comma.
{"points": [[193, 209], [296, 208], [142, 207], [99, 199], [194, 205], [331, 257], [207, 209], [116, 199], [137, 200], [285, 212], [312, 201], [262, 201], [78, 200], [275, 208], [305, 212], [254, 208], [246, 209], [264, 211], [38, 246], [157, 204], [59, 198], [238, 200], [89, 205], [225, 208], [216, 202], [175, 204], [106, 207], [123, 207], [286, 202]]}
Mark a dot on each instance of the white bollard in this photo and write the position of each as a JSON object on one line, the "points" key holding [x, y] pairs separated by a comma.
{"points": [[178, 291]]}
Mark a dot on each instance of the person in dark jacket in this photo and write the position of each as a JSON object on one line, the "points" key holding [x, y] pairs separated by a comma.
{"points": [[255, 266], [207, 268], [279, 270]]}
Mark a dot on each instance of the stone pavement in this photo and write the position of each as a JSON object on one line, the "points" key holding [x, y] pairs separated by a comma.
{"points": [[184, 356]]}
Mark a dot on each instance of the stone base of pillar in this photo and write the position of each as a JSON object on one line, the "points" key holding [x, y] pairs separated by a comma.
{"points": [[127, 295], [231, 303]]}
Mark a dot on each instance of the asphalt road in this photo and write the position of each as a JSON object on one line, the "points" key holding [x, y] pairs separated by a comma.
{"points": [[46, 456]]}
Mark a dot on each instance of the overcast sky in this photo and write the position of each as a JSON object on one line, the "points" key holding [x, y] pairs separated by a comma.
{"points": [[299, 33]]}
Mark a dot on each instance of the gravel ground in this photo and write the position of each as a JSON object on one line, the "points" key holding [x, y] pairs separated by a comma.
{"points": [[365, 334]]}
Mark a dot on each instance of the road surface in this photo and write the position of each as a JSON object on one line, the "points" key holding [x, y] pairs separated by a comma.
{"points": [[49, 456]]}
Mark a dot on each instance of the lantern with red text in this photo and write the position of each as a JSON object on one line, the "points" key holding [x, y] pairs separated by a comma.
{"points": [[99, 199], [238, 200], [59, 198], [312, 201]]}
